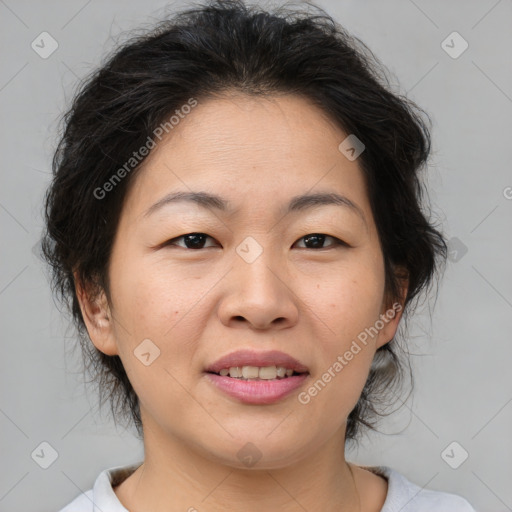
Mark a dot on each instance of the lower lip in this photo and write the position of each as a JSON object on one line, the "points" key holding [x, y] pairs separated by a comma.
{"points": [[257, 391]]}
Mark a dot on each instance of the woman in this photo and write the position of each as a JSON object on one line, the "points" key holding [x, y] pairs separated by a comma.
{"points": [[236, 221]]}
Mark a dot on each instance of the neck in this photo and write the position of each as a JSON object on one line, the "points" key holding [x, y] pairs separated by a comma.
{"points": [[177, 477]]}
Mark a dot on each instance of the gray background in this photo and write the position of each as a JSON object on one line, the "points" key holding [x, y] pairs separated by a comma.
{"points": [[463, 391]]}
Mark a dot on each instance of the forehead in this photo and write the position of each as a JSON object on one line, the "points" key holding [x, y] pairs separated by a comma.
{"points": [[250, 150], [271, 128]]}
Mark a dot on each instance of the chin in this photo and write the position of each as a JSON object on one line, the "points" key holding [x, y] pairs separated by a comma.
{"points": [[259, 452]]}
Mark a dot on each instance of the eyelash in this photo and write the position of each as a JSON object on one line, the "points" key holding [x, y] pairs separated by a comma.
{"points": [[337, 241]]}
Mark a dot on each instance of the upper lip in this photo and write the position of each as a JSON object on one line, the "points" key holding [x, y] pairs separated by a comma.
{"points": [[252, 358]]}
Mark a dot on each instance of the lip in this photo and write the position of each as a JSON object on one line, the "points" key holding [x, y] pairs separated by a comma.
{"points": [[252, 358], [254, 392], [260, 392]]}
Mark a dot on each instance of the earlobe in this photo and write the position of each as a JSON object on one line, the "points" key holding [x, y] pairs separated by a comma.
{"points": [[391, 315], [390, 319], [97, 317]]}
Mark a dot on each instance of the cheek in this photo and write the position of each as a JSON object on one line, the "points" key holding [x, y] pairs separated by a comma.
{"points": [[150, 297], [349, 303], [157, 302], [349, 299], [156, 316]]}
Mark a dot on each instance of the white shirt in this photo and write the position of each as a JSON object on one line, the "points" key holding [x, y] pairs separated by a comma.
{"points": [[403, 495]]}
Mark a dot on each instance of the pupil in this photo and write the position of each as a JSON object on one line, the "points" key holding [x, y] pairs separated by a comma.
{"points": [[196, 240], [319, 239]]}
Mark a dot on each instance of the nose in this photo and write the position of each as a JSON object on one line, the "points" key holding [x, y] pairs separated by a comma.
{"points": [[258, 295]]}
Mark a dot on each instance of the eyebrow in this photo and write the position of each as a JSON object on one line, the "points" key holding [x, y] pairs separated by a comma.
{"points": [[298, 203]]}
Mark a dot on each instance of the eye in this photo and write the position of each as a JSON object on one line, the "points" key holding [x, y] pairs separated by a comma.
{"points": [[191, 240], [318, 239], [197, 241]]}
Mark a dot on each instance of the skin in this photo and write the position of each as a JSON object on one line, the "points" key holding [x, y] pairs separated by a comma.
{"points": [[197, 305]]}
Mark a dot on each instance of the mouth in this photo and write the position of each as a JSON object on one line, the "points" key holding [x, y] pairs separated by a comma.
{"points": [[257, 378], [256, 373]]}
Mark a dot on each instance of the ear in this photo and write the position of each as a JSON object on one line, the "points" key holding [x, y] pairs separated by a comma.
{"points": [[391, 312], [97, 317]]}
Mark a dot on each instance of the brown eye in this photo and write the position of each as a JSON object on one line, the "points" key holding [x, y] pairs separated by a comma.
{"points": [[191, 241], [317, 240]]}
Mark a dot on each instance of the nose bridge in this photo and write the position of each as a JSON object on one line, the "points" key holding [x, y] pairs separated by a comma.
{"points": [[258, 267], [259, 292]]}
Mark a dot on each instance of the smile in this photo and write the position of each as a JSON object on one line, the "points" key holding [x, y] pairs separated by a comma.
{"points": [[257, 373]]}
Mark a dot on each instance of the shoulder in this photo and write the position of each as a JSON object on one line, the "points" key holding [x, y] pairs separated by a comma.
{"points": [[406, 496], [102, 496], [83, 503]]}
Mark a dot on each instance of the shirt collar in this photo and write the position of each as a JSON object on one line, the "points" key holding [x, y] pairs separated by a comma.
{"points": [[106, 500], [104, 497]]}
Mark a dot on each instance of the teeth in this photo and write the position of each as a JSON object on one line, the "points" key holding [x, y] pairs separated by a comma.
{"points": [[235, 372], [255, 372], [250, 372], [267, 372]]}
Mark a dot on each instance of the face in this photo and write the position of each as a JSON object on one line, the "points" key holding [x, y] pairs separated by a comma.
{"points": [[263, 273]]}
